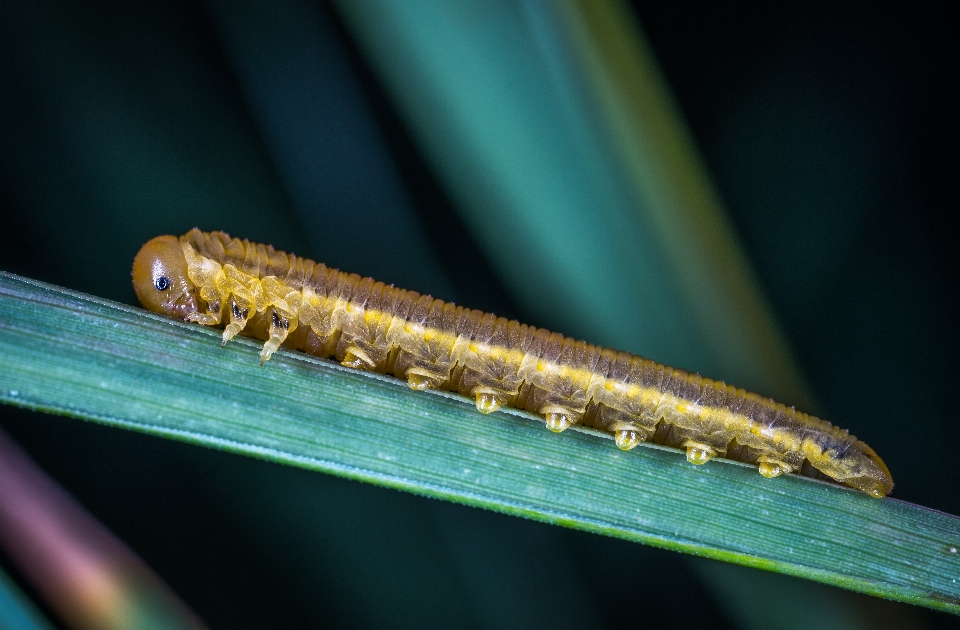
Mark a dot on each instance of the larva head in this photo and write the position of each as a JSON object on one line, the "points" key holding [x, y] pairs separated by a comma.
{"points": [[160, 278], [868, 472]]}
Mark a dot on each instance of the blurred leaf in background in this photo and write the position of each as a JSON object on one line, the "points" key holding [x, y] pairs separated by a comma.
{"points": [[91, 579], [824, 131], [17, 612]]}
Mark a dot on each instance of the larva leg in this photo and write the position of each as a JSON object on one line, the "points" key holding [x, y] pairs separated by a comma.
{"points": [[703, 445], [420, 379], [626, 439], [429, 372], [488, 399], [283, 316], [213, 315], [424, 333], [208, 278], [770, 467], [214, 298], [697, 453], [356, 358], [227, 286], [628, 435], [279, 329], [239, 316], [557, 372], [364, 343], [489, 392], [559, 419], [560, 410], [628, 429]]}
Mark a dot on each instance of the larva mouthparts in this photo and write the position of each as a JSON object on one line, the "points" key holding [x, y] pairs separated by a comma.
{"points": [[251, 289]]}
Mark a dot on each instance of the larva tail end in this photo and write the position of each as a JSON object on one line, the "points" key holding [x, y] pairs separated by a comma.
{"points": [[160, 278], [874, 476]]}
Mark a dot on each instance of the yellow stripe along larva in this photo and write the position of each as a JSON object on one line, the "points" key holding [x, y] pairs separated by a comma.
{"points": [[214, 280]]}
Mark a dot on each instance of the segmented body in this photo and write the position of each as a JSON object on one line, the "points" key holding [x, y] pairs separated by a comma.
{"points": [[365, 324]]}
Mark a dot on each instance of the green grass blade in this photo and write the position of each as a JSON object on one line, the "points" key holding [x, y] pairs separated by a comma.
{"points": [[76, 355]]}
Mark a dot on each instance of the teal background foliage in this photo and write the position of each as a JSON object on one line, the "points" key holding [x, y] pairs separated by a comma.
{"points": [[828, 133]]}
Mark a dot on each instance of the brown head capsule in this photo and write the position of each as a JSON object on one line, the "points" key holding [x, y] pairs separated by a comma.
{"points": [[160, 278]]}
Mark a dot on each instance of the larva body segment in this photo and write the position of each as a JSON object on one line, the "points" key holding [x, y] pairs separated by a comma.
{"points": [[282, 299]]}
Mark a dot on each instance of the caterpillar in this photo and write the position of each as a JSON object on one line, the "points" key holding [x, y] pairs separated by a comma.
{"points": [[250, 288]]}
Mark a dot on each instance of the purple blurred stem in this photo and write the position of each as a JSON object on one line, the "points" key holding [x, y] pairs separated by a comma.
{"points": [[85, 573]]}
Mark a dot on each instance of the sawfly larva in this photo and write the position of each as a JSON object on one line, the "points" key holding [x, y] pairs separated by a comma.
{"points": [[286, 300]]}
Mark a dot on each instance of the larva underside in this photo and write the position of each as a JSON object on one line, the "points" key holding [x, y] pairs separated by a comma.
{"points": [[282, 299]]}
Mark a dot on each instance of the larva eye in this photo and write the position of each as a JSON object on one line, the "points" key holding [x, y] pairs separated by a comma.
{"points": [[162, 283]]}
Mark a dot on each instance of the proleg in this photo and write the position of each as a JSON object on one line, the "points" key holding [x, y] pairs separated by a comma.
{"points": [[251, 289]]}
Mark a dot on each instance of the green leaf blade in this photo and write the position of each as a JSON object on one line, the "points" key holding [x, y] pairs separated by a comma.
{"points": [[72, 354]]}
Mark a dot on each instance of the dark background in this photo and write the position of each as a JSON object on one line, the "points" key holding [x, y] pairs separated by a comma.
{"points": [[830, 133]]}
